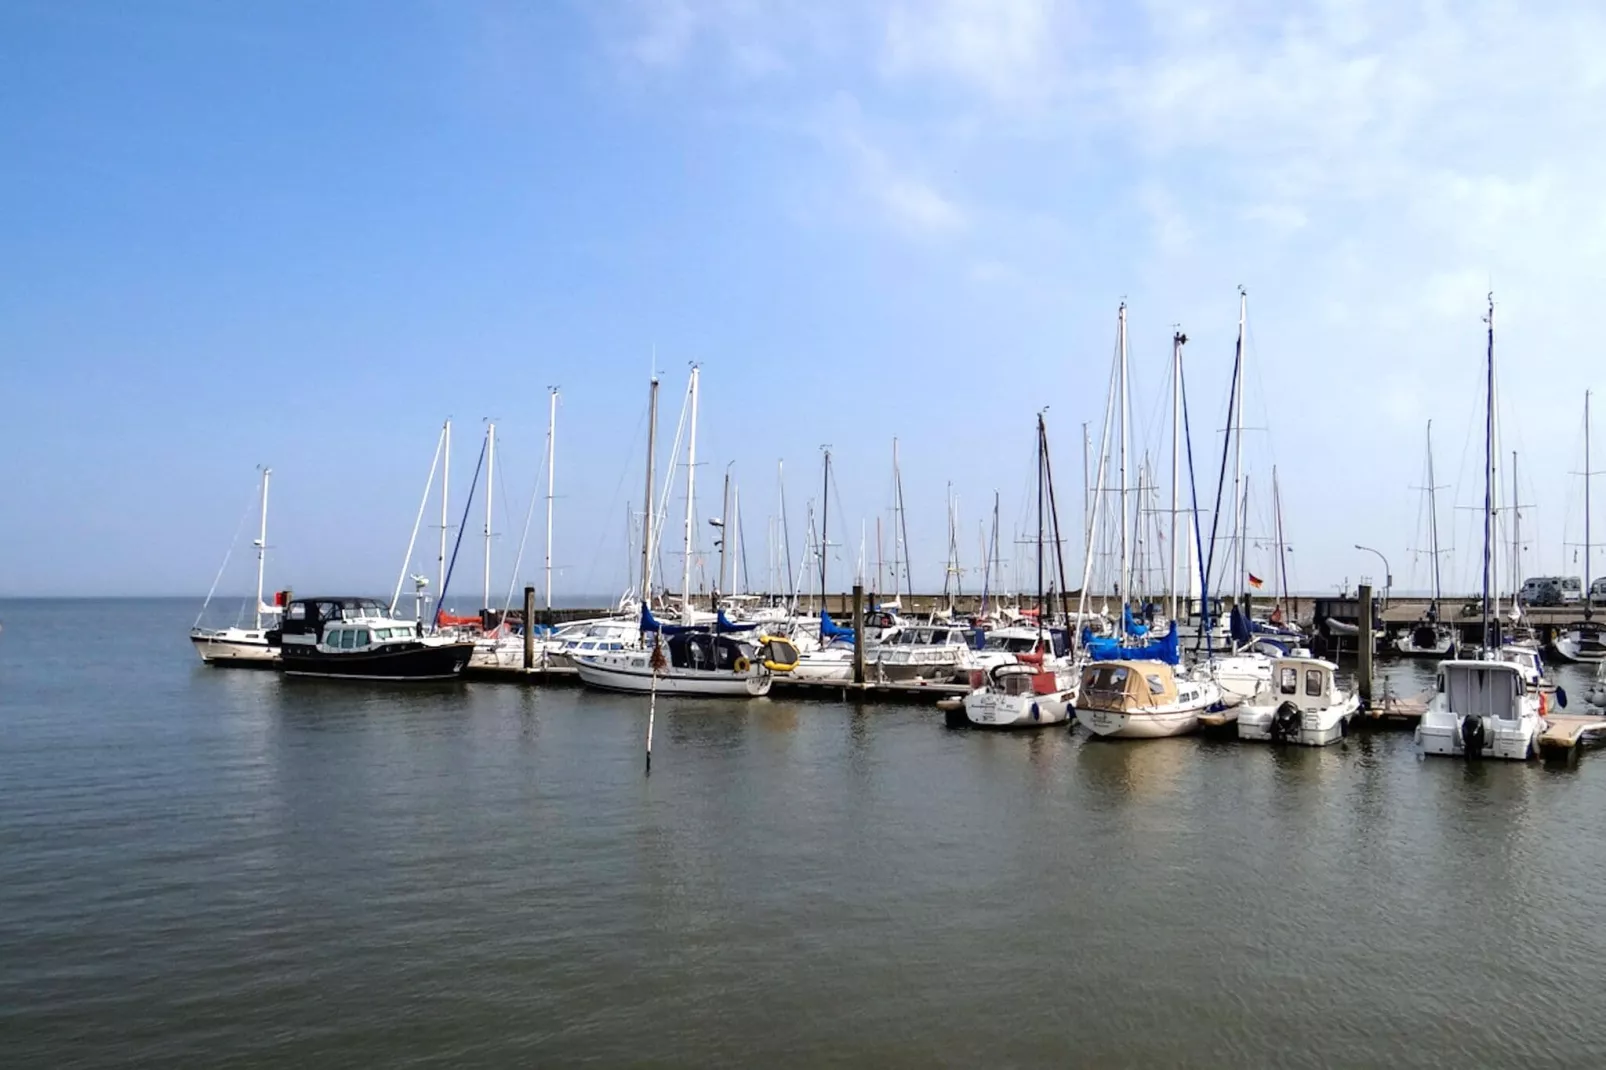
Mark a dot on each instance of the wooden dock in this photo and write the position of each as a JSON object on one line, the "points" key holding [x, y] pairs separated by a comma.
{"points": [[873, 690], [1395, 711], [1566, 732]]}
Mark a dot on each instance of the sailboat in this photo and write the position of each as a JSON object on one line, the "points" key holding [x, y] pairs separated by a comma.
{"points": [[1027, 693], [1585, 641], [239, 646], [1430, 637], [1488, 705]]}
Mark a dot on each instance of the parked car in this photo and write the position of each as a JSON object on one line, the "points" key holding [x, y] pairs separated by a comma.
{"points": [[1572, 590]]}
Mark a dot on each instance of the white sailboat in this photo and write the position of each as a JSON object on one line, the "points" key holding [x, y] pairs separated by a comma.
{"points": [[1584, 642], [1430, 637], [237, 645], [1029, 693], [1490, 706], [1141, 700]]}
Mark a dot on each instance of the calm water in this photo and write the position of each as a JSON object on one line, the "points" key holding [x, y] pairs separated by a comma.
{"points": [[210, 866]]}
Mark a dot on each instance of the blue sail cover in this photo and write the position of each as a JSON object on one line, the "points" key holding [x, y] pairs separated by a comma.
{"points": [[1132, 627], [1105, 648], [1239, 625], [830, 630], [649, 623], [723, 623]]}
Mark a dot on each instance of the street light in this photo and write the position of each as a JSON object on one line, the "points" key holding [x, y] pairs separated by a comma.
{"points": [[1388, 574]]}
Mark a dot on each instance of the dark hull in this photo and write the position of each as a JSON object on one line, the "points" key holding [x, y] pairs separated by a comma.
{"points": [[408, 663]]}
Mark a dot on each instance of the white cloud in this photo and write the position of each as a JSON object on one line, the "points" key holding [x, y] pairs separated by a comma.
{"points": [[1007, 49]]}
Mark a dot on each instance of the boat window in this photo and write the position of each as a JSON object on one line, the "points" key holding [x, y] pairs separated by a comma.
{"points": [[1156, 685], [940, 635], [328, 610], [1288, 681], [297, 612], [362, 637], [348, 638], [1313, 681], [331, 637]]}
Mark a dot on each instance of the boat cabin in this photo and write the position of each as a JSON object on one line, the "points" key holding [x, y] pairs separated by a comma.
{"points": [[1305, 682], [1483, 688], [306, 619], [1016, 678], [707, 652], [340, 637], [1122, 686]]}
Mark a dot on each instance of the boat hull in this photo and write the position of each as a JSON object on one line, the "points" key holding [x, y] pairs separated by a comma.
{"points": [[991, 709], [1317, 728], [1439, 734], [631, 674], [413, 661], [1113, 725], [235, 648]]}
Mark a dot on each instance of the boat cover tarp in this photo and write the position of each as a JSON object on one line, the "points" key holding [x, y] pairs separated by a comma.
{"points": [[1106, 648], [1133, 628], [1239, 626], [649, 623], [829, 629], [723, 623]]}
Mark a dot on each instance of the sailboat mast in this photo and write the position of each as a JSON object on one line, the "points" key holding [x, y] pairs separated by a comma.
{"points": [[446, 475], [490, 486], [1588, 611], [825, 516], [724, 536], [1238, 488], [1488, 482], [646, 511], [1178, 340], [551, 467], [1282, 549], [1433, 524], [262, 540], [1040, 607], [1126, 560], [691, 499]]}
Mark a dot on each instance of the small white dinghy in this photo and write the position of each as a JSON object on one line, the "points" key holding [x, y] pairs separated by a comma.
{"points": [[1020, 695], [1482, 709], [1141, 700], [1302, 704]]}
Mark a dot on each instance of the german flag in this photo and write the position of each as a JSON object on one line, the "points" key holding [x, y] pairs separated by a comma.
{"points": [[1256, 582]]}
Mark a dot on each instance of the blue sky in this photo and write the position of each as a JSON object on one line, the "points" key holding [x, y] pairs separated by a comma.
{"points": [[302, 235]]}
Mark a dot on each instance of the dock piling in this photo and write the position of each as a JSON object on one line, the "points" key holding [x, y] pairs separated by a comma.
{"points": [[1363, 649], [858, 633], [529, 629]]}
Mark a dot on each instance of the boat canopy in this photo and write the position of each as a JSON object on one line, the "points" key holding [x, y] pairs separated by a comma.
{"points": [[1132, 627], [1483, 688], [650, 623], [1124, 686], [1107, 648], [723, 623]]}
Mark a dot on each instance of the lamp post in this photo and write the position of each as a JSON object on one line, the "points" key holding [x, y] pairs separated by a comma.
{"points": [[1388, 574]]}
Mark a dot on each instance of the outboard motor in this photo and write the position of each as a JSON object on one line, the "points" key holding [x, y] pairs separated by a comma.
{"points": [[1473, 737], [1286, 723]]}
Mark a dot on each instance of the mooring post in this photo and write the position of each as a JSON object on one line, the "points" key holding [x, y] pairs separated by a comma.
{"points": [[858, 633], [1363, 651], [529, 628]]}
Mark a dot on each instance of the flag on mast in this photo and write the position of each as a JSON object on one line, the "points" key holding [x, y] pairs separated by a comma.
{"points": [[1255, 581]]}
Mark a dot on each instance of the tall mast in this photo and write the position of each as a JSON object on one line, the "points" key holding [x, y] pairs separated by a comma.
{"points": [[490, 485], [1178, 340], [724, 536], [1433, 524], [446, 475], [825, 516], [1126, 560], [646, 511], [1488, 482], [1087, 487], [262, 543], [1588, 612], [897, 530], [551, 468], [1238, 489], [1282, 547], [691, 499], [1040, 607]]}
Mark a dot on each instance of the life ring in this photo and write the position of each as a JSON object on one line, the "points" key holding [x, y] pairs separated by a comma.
{"points": [[741, 665]]}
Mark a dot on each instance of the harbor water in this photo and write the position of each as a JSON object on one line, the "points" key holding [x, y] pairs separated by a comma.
{"points": [[215, 867]]}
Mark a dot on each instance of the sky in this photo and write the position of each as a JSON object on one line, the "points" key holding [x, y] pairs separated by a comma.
{"points": [[303, 235]]}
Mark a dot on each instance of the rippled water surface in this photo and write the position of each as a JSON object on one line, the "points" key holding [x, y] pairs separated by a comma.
{"points": [[206, 867]]}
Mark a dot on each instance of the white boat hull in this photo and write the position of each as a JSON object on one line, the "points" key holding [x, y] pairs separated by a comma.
{"points": [[1568, 648], [993, 709], [234, 646], [1439, 734], [631, 673], [1317, 728], [1241, 676], [1138, 725]]}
